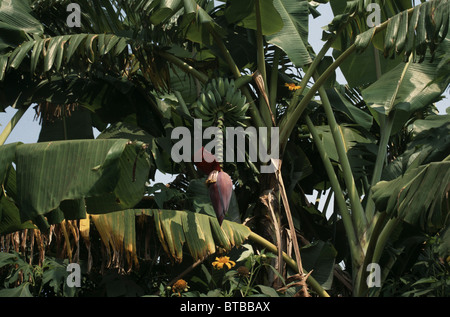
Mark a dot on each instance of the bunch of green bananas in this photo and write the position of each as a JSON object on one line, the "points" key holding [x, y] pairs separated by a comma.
{"points": [[221, 103]]}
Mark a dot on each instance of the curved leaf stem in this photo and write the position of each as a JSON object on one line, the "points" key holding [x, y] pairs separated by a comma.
{"points": [[339, 196], [358, 215], [184, 66], [378, 248], [290, 220], [288, 126], [293, 117], [386, 129]]}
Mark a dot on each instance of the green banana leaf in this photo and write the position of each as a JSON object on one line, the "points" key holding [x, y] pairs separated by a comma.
{"points": [[293, 37], [419, 197], [9, 213], [109, 174], [22, 270], [359, 144], [165, 10], [17, 23], [158, 146], [360, 69], [176, 229], [198, 193], [10, 217], [319, 257], [430, 143], [404, 35], [7, 155], [124, 130], [425, 29], [406, 88], [184, 84], [244, 13], [352, 16], [195, 20], [50, 53], [340, 103]]}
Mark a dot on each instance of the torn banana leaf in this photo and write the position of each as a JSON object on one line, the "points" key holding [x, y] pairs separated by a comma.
{"points": [[178, 231]]}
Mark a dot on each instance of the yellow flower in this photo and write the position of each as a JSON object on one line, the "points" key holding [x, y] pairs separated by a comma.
{"points": [[223, 260], [292, 86], [180, 286]]}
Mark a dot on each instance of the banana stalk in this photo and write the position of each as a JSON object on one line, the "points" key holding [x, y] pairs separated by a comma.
{"points": [[220, 138]]}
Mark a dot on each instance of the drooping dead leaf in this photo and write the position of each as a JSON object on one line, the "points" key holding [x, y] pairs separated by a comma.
{"points": [[297, 280]]}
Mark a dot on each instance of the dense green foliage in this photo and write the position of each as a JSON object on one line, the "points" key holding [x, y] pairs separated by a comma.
{"points": [[373, 149]]}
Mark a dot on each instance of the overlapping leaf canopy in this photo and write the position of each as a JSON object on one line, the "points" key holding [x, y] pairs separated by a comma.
{"points": [[98, 177], [140, 69], [108, 174], [178, 231], [405, 197]]}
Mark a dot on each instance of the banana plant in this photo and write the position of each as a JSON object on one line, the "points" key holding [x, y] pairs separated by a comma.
{"points": [[151, 66], [56, 54]]}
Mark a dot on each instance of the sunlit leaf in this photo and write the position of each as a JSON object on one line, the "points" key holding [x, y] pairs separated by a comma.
{"points": [[176, 229], [109, 174], [293, 37]]}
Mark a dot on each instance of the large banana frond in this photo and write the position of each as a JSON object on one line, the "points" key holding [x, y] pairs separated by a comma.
{"points": [[107, 29], [430, 143], [407, 88], [52, 53], [293, 37], [178, 231], [201, 233], [419, 197], [408, 30], [17, 23], [191, 18], [426, 27], [73, 177], [350, 18]]}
